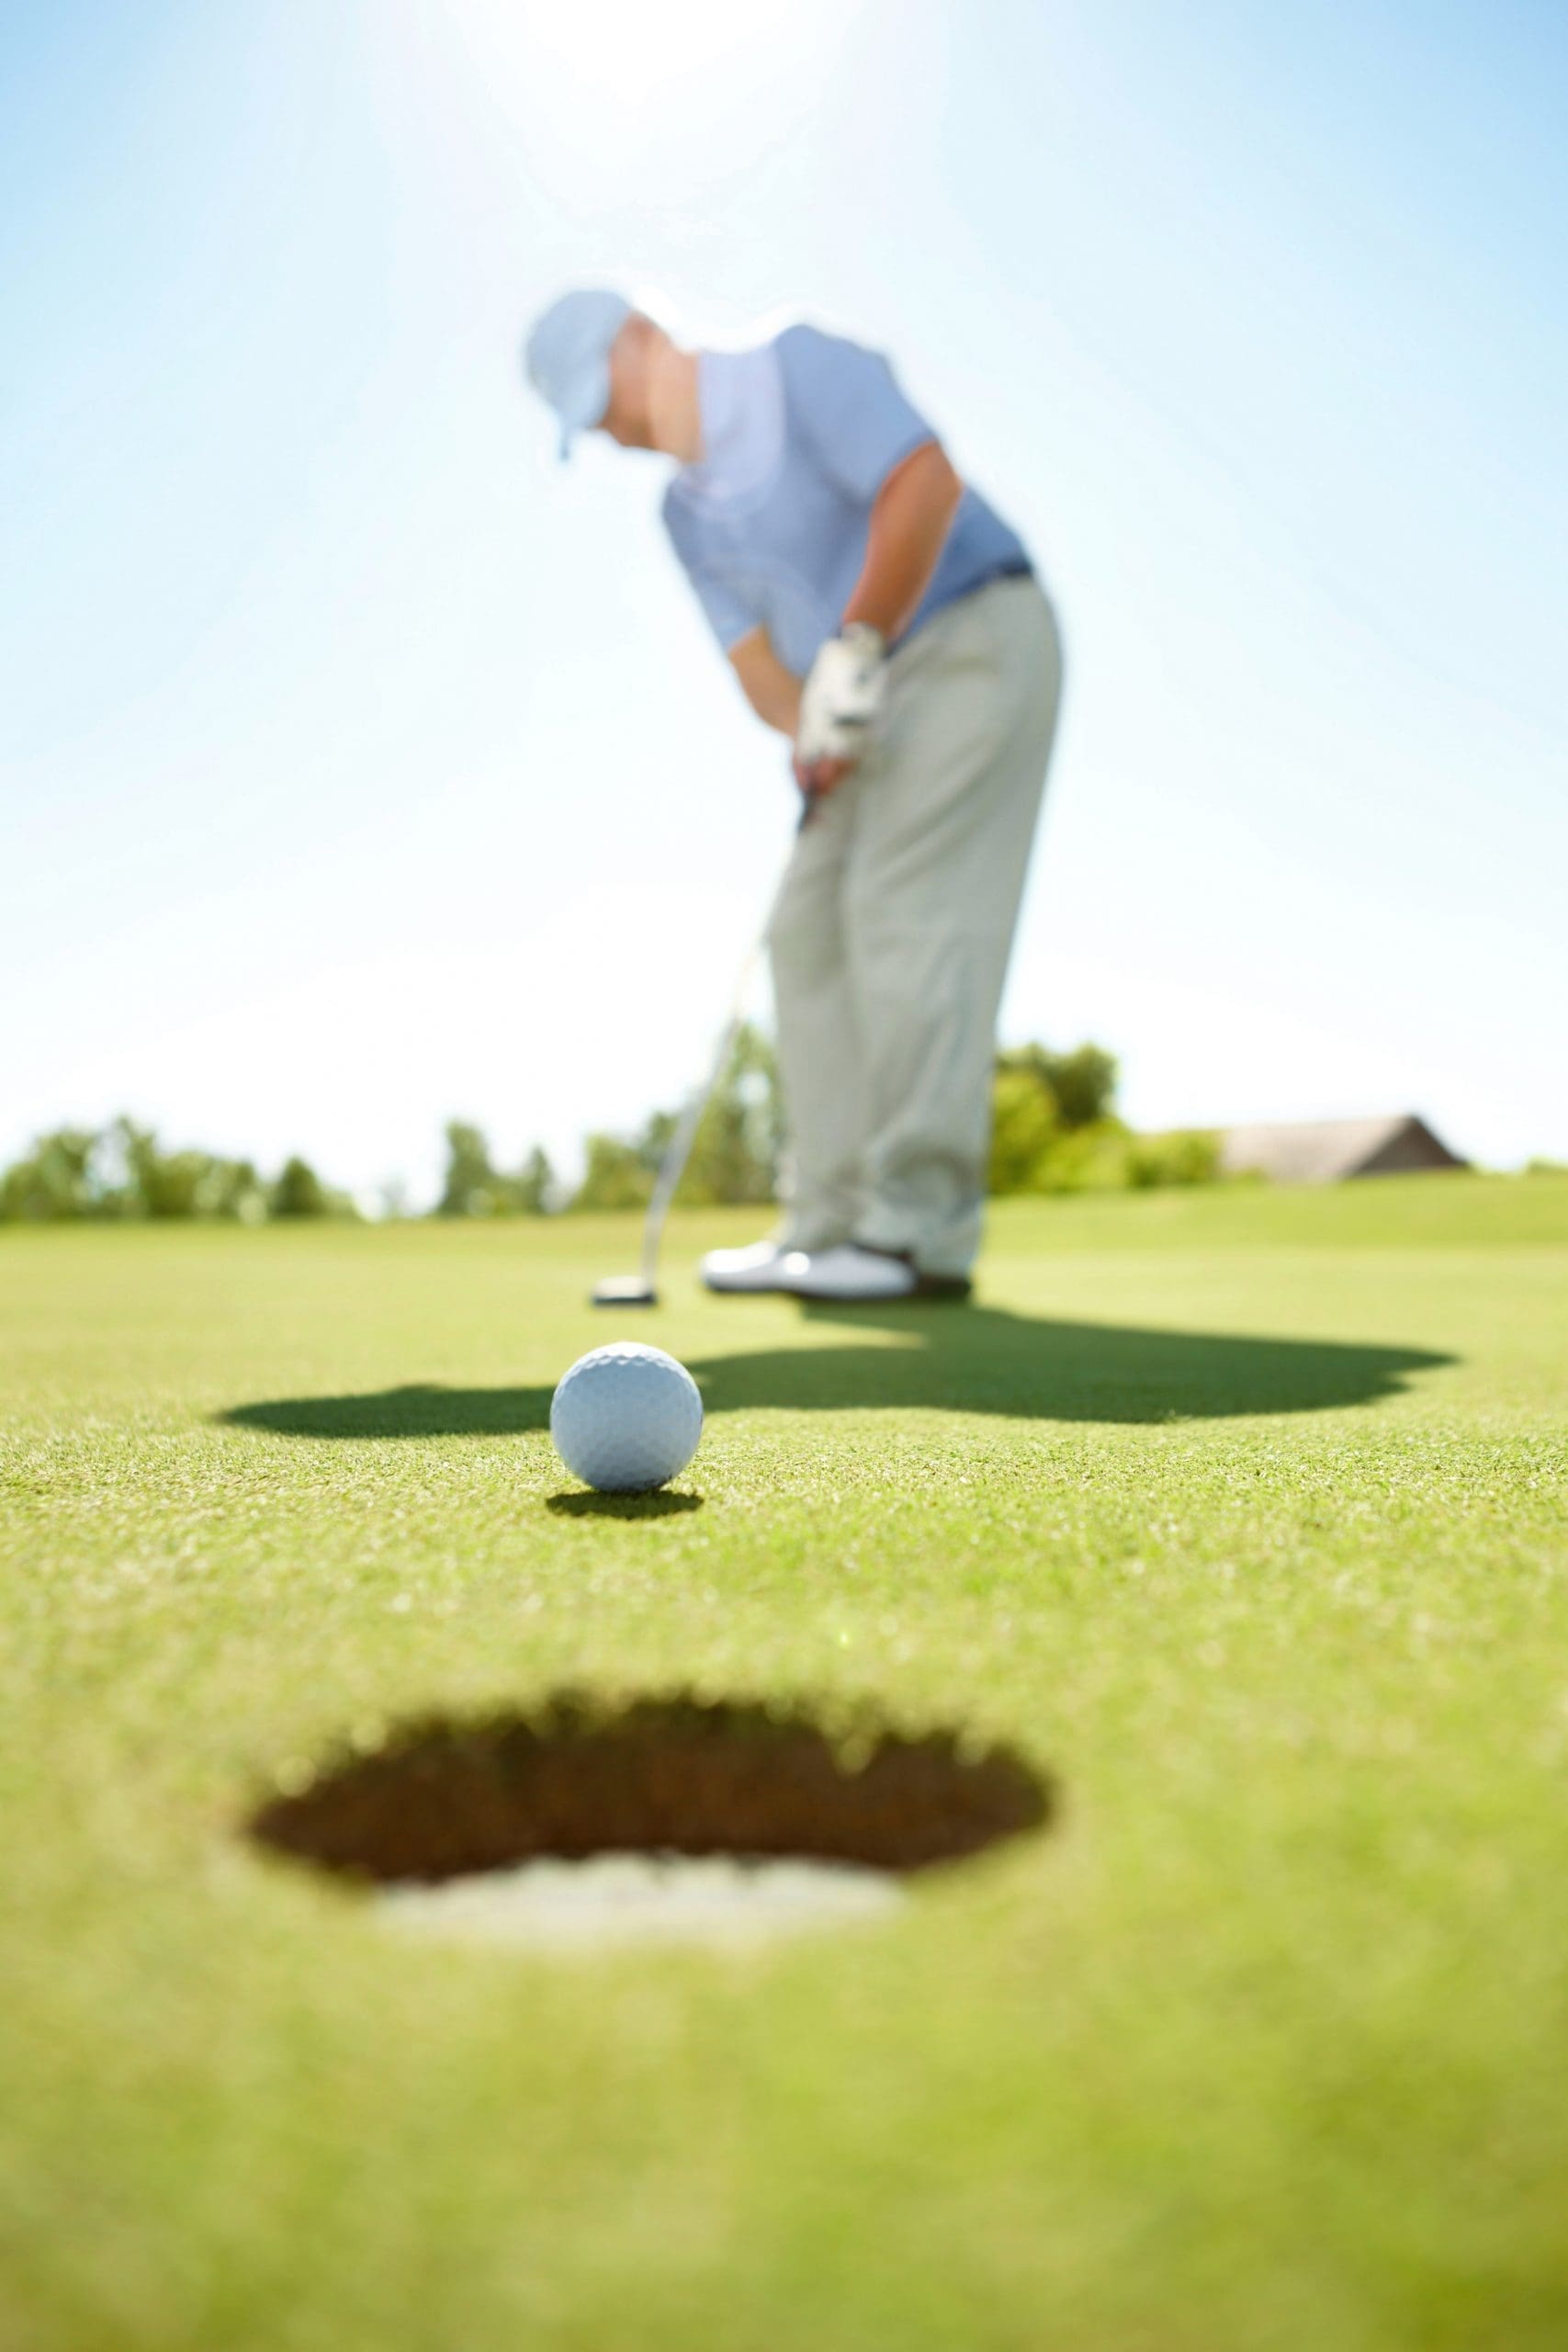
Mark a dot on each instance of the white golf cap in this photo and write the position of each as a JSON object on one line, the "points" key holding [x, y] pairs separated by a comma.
{"points": [[567, 355]]}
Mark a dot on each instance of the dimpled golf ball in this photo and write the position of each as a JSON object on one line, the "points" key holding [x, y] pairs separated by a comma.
{"points": [[626, 1418]]}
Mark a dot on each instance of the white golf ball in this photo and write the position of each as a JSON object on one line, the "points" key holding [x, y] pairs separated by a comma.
{"points": [[626, 1418]]}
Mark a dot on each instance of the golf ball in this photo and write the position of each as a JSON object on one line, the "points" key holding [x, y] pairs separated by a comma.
{"points": [[626, 1418]]}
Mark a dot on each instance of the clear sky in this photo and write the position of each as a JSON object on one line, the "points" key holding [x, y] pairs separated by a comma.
{"points": [[362, 766]]}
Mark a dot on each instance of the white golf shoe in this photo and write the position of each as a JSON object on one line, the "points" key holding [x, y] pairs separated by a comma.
{"points": [[756, 1267], [853, 1275]]}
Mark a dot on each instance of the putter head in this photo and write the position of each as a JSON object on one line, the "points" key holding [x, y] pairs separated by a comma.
{"points": [[625, 1290]]}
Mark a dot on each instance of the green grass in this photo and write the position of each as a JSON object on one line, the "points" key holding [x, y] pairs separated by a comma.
{"points": [[1241, 1513]]}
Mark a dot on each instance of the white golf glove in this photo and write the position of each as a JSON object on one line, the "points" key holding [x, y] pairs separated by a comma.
{"points": [[843, 697]]}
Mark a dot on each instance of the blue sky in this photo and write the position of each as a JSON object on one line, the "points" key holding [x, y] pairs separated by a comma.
{"points": [[362, 766]]}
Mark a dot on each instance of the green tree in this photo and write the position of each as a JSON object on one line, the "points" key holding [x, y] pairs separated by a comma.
{"points": [[536, 1184], [1081, 1085], [1186, 1156], [300, 1192], [615, 1175], [476, 1187], [1084, 1084], [140, 1180], [1055, 1129], [735, 1150], [121, 1171], [473, 1185], [53, 1180], [1091, 1159], [1024, 1125]]}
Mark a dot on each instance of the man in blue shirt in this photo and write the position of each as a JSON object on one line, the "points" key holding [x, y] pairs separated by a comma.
{"points": [[882, 617]]}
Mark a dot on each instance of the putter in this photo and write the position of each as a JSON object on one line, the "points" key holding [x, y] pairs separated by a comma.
{"points": [[641, 1289]]}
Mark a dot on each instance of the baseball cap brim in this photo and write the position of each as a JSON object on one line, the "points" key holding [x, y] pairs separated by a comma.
{"points": [[566, 357], [591, 398]]}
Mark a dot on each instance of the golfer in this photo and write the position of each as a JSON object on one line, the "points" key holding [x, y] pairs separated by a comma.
{"points": [[883, 618]]}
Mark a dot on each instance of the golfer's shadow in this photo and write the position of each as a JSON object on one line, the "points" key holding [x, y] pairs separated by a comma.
{"points": [[971, 1360]]}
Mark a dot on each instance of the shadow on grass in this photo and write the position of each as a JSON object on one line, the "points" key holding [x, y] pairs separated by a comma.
{"points": [[660, 1505], [972, 1359]]}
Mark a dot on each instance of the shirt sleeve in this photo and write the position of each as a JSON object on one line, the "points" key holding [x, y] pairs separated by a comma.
{"points": [[727, 616], [850, 409]]}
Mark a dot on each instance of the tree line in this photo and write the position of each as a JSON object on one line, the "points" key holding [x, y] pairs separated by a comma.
{"points": [[121, 1172], [1056, 1129]]}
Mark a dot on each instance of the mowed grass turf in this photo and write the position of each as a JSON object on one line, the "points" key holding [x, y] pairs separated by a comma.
{"points": [[1239, 1513]]}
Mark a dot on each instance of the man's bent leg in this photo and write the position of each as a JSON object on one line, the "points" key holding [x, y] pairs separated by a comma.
{"points": [[946, 814]]}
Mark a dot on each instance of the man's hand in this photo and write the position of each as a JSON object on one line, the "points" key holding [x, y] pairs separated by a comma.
{"points": [[820, 779], [839, 704]]}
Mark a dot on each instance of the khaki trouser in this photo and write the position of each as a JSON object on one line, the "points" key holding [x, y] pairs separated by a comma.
{"points": [[891, 938]]}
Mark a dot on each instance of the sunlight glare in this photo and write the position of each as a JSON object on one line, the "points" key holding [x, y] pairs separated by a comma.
{"points": [[628, 110], [632, 49]]}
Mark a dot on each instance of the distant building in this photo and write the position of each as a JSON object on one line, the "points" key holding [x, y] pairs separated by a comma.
{"points": [[1325, 1151]]}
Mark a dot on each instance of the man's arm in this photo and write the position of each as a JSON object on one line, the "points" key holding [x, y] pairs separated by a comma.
{"points": [[909, 524], [773, 691]]}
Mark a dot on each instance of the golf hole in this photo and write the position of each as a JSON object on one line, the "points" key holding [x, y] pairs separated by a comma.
{"points": [[663, 1820]]}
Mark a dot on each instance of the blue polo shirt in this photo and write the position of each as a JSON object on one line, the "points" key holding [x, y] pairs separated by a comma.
{"points": [[798, 436]]}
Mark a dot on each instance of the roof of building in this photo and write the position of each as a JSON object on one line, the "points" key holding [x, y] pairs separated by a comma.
{"points": [[1322, 1151]]}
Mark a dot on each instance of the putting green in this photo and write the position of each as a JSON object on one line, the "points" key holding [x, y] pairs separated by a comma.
{"points": [[1239, 1513]]}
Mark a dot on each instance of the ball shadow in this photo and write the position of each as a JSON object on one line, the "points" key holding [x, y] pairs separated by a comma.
{"points": [[659, 1505]]}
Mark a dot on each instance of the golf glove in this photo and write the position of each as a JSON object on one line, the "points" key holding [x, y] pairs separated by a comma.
{"points": [[843, 697]]}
